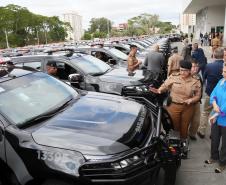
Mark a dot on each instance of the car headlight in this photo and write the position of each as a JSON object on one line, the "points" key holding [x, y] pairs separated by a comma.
{"points": [[140, 88], [133, 160], [62, 160]]}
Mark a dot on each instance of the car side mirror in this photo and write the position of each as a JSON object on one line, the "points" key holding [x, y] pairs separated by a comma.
{"points": [[75, 78], [111, 61]]}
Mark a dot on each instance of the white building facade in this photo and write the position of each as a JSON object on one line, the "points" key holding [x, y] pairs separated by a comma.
{"points": [[75, 21], [210, 15], [187, 23]]}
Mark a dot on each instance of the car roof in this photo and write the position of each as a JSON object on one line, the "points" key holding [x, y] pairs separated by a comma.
{"points": [[52, 56]]}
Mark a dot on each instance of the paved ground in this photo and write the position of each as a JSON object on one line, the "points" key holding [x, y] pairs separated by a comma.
{"points": [[193, 170]]}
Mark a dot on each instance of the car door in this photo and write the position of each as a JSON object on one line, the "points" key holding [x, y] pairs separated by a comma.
{"points": [[2, 140]]}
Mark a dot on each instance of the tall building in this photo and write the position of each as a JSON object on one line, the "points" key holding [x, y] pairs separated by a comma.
{"points": [[187, 23], [210, 15], [75, 21]]}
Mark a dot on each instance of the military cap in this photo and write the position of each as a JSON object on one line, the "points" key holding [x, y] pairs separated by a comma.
{"points": [[51, 63]]}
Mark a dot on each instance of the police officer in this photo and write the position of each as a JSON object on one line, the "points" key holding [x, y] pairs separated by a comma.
{"points": [[51, 68], [133, 63], [185, 91], [174, 62], [195, 121]]}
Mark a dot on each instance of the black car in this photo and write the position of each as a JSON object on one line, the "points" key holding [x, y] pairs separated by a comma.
{"points": [[51, 134], [109, 55], [93, 74]]}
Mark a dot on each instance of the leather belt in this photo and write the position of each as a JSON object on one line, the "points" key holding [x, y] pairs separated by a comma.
{"points": [[177, 103]]}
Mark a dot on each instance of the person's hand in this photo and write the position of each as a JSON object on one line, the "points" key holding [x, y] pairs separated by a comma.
{"points": [[216, 108], [139, 62], [212, 120], [154, 90], [188, 101]]}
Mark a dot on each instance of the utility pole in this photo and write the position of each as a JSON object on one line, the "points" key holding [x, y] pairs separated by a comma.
{"points": [[6, 38], [45, 31], [46, 37], [108, 28], [37, 37]]}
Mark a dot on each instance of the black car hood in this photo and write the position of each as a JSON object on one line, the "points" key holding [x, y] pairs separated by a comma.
{"points": [[120, 75], [92, 125]]}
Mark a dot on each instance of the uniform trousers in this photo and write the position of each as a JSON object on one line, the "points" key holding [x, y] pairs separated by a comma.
{"points": [[181, 115], [195, 121], [217, 133], [205, 115]]}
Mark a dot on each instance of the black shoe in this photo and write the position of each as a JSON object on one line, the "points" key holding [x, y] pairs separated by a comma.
{"points": [[202, 136], [193, 138]]}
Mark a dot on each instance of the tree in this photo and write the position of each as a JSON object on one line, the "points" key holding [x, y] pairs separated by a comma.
{"points": [[165, 27], [19, 27], [87, 36], [142, 24], [101, 25]]}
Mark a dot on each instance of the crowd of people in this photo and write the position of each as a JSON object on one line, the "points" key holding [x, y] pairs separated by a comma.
{"points": [[189, 74]]}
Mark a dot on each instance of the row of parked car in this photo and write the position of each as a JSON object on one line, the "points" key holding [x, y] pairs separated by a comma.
{"points": [[78, 130]]}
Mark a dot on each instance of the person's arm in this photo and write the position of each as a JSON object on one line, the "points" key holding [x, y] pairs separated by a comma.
{"points": [[213, 97], [146, 61], [170, 61], [183, 52], [197, 94], [205, 74], [164, 87], [163, 63]]}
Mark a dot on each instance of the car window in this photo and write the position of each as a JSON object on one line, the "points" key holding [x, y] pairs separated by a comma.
{"points": [[26, 97], [118, 53], [90, 65], [64, 70], [101, 55], [35, 65]]}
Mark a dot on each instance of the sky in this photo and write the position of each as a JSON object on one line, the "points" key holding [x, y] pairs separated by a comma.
{"points": [[118, 11]]}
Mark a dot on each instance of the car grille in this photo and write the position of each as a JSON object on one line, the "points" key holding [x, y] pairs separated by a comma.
{"points": [[113, 170]]}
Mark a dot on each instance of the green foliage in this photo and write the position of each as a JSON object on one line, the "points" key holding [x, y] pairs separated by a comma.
{"points": [[99, 34], [87, 36], [24, 27], [100, 26], [165, 27], [144, 24]]}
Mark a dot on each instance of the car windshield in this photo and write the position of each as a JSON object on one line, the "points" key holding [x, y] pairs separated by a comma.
{"points": [[27, 97], [90, 65], [118, 53]]}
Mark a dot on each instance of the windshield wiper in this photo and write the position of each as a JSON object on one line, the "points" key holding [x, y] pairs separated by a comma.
{"points": [[46, 115]]}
